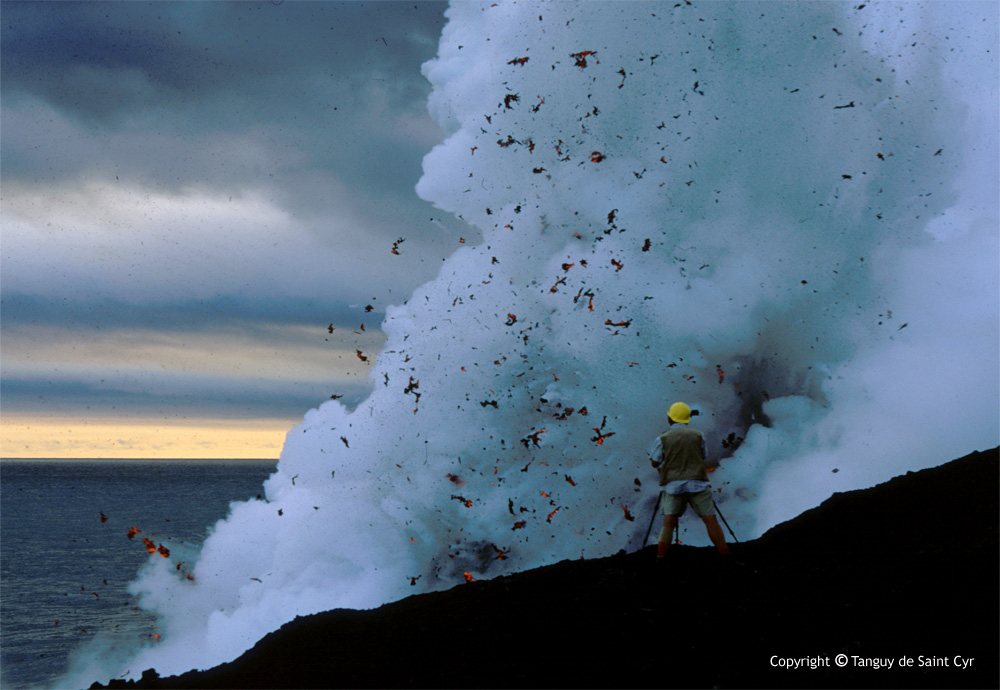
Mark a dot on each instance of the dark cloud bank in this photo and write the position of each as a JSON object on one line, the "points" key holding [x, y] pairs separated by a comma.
{"points": [[126, 125]]}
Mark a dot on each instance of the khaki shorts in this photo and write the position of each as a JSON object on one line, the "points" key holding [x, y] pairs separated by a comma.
{"points": [[675, 504]]}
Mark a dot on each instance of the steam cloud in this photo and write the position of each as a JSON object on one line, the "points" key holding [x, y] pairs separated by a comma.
{"points": [[784, 214]]}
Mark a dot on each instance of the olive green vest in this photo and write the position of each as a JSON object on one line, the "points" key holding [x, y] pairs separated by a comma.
{"points": [[682, 456]]}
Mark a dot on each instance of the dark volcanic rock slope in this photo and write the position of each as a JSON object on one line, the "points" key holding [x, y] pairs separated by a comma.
{"points": [[904, 570]]}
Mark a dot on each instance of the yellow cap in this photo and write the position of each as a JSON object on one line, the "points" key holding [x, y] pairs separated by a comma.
{"points": [[680, 413]]}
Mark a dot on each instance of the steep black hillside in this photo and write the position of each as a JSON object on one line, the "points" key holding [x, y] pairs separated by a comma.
{"points": [[908, 568]]}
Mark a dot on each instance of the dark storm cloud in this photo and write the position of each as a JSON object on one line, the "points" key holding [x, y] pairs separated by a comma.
{"points": [[215, 172], [224, 312], [140, 371], [173, 397], [74, 55], [276, 358], [317, 79]]}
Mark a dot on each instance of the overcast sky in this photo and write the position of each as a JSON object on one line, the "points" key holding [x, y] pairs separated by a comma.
{"points": [[193, 192]]}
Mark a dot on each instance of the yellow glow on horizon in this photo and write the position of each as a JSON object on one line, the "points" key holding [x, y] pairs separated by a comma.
{"points": [[56, 438]]}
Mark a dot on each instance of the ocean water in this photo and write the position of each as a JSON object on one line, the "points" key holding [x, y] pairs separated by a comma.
{"points": [[66, 558]]}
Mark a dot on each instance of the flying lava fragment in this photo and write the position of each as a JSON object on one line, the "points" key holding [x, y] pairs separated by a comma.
{"points": [[599, 439], [581, 58]]}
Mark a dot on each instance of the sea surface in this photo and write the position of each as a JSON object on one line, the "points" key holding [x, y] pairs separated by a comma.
{"points": [[66, 558]]}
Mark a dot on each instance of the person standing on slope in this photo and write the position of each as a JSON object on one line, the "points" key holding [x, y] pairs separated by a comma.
{"points": [[679, 454]]}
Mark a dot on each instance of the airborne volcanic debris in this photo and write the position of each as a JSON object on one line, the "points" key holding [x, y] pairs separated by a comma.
{"points": [[689, 235]]}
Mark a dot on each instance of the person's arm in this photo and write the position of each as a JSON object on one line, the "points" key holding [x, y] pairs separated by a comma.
{"points": [[656, 453]]}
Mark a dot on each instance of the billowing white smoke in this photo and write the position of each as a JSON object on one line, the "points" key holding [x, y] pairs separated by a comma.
{"points": [[784, 214]]}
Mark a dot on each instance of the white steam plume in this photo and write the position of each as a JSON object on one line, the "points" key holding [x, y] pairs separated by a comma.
{"points": [[801, 196]]}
